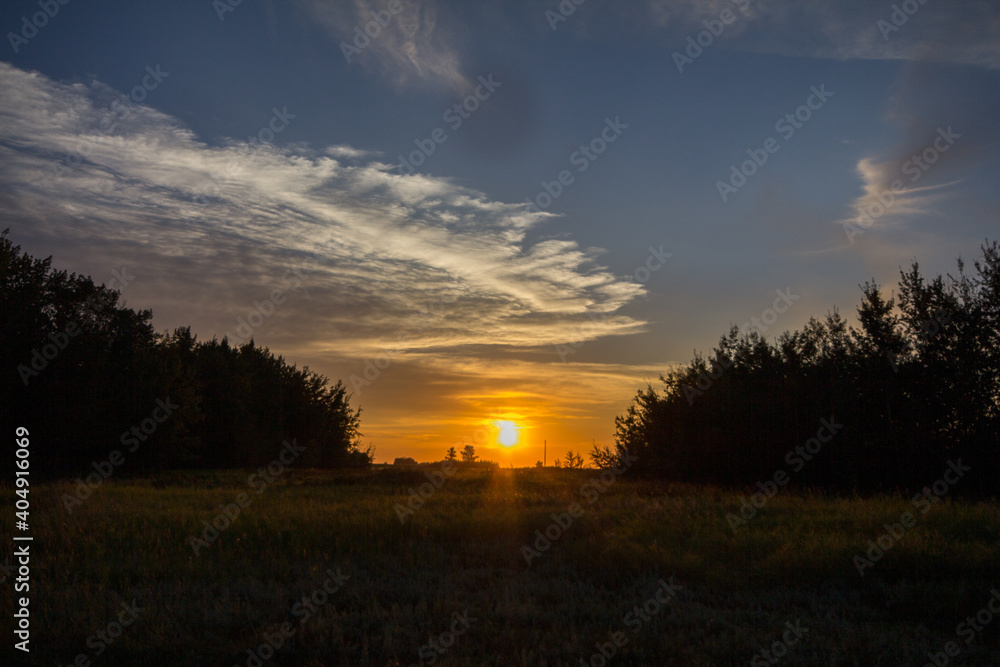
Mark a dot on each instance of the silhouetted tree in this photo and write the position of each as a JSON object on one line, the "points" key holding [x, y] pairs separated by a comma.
{"points": [[469, 454], [451, 454], [916, 385], [90, 376], [605, 458]]}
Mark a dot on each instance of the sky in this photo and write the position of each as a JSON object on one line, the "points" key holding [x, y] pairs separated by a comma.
{"points": [[474, 212]]}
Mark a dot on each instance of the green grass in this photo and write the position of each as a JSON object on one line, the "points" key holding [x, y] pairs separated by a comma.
{"points": [[462, 551]]}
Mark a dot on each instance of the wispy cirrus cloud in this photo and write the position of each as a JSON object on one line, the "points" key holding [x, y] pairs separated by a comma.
{"points": [[961, 32], [891, 196], [943, 131], [414, 47], [216, 227], [349, 152]]}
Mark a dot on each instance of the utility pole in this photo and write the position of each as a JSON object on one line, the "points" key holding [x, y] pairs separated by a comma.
{"points": [[545, 453]]}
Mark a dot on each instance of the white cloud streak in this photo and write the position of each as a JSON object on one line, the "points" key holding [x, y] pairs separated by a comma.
{"points": [[380, 246], [963, 31], [412, 48]]}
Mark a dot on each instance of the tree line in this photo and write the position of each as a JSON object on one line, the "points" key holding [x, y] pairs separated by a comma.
{"points": [[469, 459], [89, 376], [881, 406]]}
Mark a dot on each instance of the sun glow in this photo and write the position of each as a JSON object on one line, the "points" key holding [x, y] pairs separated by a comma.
{"points": [[507, 433]]}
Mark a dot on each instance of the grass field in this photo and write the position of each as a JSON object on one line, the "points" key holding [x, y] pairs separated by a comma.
{"points": [[458, 564]]}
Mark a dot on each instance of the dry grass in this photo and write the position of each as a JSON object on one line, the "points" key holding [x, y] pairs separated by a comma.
{"points": [[462, 551]]}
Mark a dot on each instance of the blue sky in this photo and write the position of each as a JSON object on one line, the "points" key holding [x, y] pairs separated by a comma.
{"points": [[104, 164]]}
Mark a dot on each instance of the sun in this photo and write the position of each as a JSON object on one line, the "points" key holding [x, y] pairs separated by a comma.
{"points": [[507, 433]]}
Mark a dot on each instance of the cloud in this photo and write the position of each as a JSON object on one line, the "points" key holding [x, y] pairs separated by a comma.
{"points": [[568, 404], [962, 32], [413, 46], [361, 253], [889, 197], [349, 152], [942, 130]]}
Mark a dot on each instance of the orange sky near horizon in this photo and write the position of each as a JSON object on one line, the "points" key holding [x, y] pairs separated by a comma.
{"points": [[569, 405]]}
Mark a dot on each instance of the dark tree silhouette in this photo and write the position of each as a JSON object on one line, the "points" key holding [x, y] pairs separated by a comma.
{"points": [[88, 376], [917, 385], [574, 460]]}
